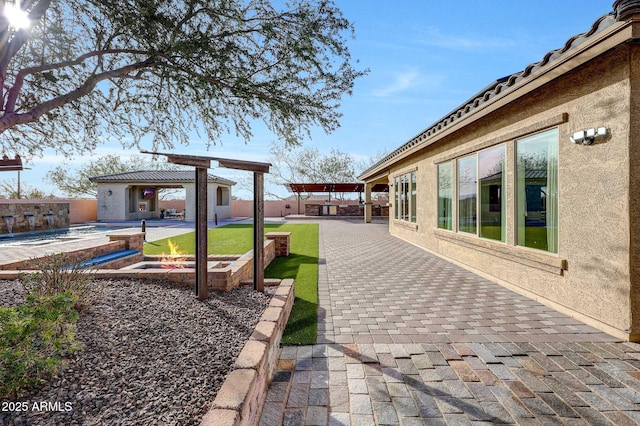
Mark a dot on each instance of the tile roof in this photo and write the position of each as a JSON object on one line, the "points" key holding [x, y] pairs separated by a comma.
{"points": [[153, 176], [495, 89]]}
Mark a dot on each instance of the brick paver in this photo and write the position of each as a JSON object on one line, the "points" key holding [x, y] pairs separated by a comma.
{"points": [[407, 338]]}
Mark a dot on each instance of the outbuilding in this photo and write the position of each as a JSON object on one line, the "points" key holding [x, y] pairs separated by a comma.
{"points": [[134, 195], [535, 181]]}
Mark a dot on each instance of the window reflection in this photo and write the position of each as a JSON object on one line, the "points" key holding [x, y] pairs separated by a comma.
{"points": [[445, 195], [467, 194], [537, 191], [491, 173]]}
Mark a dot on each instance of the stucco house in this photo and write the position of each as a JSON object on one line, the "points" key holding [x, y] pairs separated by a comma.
{"points": [[535, 181], [134, 195]]}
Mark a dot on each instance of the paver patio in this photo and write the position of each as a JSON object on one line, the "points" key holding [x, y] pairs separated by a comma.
{"points": [[407, 338]]}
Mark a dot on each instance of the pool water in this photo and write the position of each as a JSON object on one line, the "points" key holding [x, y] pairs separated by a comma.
{"points": [[54, 235]]}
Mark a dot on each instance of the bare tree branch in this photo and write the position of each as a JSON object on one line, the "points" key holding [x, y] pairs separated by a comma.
{"points": [[133, 69]]}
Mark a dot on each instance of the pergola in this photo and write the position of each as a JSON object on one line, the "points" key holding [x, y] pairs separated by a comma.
{"points": [[202, 164], [11, 164], [333, 187]]}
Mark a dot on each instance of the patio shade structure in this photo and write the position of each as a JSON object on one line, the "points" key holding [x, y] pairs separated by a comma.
{"points": [[11, 164], [333, 187], [202, 164]]}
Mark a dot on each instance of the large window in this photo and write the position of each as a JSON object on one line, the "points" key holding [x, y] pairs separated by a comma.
{"points": [[396, 205], [406, 193], [481, 204], [491, 188], [445, 196], [481, 183], [537, 191], [467, 194], [413, 204]]}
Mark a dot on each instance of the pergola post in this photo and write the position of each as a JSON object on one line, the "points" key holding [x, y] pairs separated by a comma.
{"points": [[202, 289], [258, 231]]}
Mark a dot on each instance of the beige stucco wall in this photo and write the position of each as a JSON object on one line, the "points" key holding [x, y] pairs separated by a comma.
{"points": [[634, 189], [223, 211], [113, 202], [591, 274]]}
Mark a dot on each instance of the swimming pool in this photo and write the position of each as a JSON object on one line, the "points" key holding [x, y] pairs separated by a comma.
{"points": [[55, 235]]}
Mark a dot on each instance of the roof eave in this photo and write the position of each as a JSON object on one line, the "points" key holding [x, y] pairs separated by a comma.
{"points": [[610, 37]]}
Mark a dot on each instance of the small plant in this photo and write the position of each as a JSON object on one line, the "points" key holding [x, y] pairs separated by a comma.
{"points": [[34, 339], [60, 273]]}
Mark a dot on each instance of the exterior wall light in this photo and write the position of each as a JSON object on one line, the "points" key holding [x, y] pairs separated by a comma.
{"points": [[588, 136]]}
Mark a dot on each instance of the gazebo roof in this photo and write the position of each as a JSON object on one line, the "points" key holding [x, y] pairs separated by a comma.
{"points": [[158, 176], [334, 187]]}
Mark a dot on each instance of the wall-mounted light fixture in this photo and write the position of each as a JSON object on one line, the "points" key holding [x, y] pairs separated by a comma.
{"points": [[109, 192], [588, 136]]}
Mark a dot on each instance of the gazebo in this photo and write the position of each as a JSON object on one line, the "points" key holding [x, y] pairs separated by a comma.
{"points": [[134, 195]]}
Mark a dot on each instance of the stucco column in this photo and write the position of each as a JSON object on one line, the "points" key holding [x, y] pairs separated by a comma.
{"points": [[367, 202]]}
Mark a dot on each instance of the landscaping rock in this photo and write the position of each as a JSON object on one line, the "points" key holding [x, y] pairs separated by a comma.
{"points": [[152, 354]]}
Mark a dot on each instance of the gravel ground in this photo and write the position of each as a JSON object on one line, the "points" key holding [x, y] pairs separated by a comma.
{"points": [[152, 354]]}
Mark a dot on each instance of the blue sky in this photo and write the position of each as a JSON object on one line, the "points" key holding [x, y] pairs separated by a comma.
{"points": [[425, 59]]}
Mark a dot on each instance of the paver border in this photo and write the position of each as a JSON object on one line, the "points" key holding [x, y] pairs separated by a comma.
{"points": [[242, 395]]}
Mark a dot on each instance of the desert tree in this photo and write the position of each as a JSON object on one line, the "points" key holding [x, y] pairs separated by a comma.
{"points": [[14, 189], [159, 70], [309, 165]]}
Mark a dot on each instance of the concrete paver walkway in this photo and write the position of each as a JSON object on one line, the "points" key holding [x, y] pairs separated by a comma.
{"points": [[407, 338]]}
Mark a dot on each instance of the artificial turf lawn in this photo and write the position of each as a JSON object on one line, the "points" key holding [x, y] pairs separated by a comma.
{"points": [[301, 265]]}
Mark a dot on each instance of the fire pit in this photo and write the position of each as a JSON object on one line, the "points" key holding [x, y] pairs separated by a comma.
{"points": [[178, 264]]}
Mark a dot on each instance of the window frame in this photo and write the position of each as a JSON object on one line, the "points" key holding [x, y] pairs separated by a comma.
{"points": [[508, 193], [405, 197], [550, 213], [445, 204]]}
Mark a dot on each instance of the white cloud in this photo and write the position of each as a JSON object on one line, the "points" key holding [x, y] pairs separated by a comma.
{"points": [[409, 86], [431, 36], [400, 82]]}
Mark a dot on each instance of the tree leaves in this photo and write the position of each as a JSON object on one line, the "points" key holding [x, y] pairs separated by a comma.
{"points": [[139, 69]]}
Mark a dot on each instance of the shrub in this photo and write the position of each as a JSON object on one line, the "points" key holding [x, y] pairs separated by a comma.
{"points": [[59, 273], [34, 338]]}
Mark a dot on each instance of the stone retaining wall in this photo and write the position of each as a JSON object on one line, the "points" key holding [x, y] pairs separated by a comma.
{"points": [[241, 397], [228, 277], [120, 241], [283, 242]]}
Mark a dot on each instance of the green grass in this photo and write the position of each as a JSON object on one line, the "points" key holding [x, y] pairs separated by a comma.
{"points": [[301, 265]]}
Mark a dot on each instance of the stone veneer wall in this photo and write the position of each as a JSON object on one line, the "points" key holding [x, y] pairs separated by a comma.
{"points": [[19, 208]]}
